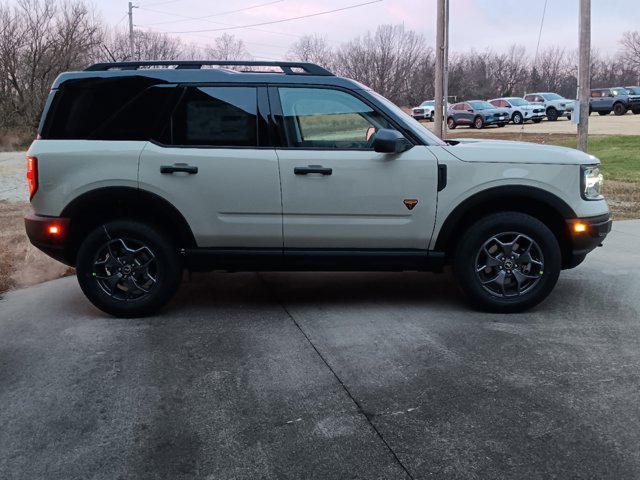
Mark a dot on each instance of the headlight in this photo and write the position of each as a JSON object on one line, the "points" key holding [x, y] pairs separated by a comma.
{"points": [[591, 183]]}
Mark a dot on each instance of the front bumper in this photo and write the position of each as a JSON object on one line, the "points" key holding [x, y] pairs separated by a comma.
{"points": [[496, 120], [422, 116], [51, 235], [596, 230]]}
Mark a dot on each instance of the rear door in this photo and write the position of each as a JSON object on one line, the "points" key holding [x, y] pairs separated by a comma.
{"points": [[337, 192], [214, 163]]}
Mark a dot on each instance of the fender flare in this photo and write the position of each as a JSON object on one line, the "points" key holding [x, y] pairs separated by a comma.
{"points": [[484, 197]]}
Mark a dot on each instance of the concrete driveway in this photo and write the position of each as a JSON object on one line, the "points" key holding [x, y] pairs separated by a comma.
{"points": [[328, 376]]}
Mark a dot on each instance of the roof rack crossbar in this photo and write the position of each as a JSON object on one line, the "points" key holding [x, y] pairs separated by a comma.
{"points": [[287, 67]]}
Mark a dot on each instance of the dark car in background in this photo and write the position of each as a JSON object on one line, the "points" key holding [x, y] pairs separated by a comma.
{"points": [[618, 100], [476, 114]]}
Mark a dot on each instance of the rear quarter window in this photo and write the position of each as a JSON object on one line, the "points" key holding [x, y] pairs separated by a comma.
{"points": [[81, 109]]}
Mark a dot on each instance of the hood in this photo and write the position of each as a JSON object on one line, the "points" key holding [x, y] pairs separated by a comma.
{"points": [[504, 151]]}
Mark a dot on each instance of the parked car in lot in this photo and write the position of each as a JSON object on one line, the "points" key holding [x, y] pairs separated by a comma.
{"points": [[425, 111], [634, 90], [618, 100], [138, 173], [519, 109], [555, 105], [476, 114]]}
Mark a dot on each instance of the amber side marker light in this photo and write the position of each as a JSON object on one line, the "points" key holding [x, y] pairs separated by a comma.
{"points": [[579, 227]]}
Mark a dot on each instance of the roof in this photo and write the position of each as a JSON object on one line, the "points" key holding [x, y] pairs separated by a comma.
{"points": [[198, 72]]}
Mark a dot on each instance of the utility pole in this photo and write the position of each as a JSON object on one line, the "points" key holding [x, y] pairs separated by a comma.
{"points": [[584, 73], [131, 43], [445, 68], [439, 74]]}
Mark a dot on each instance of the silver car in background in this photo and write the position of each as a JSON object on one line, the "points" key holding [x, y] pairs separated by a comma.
{"points": [[424, 111], [555, 105], [519, 109]]}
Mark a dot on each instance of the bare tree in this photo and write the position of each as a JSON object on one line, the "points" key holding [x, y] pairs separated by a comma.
{"points": [[228, 47], [38, 40], [312, 48], [147, 46], [383, 59], [631, 50]]}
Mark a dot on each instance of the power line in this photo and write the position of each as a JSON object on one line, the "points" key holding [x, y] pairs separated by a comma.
{"points": [[535, 58], [160, 3], [186, 18], [282, 20]]}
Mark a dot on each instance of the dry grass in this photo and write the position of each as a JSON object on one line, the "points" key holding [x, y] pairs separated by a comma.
{"points": [[623, 199], [21, 264], [13, 140]]}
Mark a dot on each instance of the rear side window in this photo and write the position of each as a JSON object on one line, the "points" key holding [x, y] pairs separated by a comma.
{"points": [[82, 107], [215, 116]]}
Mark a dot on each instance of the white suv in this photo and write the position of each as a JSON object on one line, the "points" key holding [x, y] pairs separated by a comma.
{"points": [[139, 173]]}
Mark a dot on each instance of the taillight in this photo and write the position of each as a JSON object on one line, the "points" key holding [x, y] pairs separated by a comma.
{"points": [[32, 175]]}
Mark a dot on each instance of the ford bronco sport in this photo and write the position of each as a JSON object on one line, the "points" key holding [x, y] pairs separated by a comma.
{"points": [[144, 169]]}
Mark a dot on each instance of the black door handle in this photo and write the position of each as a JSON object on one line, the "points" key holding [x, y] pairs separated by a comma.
{"points": [[313, 169], [179, 167]]}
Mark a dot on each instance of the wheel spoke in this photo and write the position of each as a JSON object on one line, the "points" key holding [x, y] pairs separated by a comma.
{"points": [[111, 281]]}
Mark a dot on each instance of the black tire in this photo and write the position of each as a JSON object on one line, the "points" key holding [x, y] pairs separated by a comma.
{"points": [[478, 123], [552, 114], [501, 125], [536, 120], [568, 116], [636, 112], [517, 118], [468, 253], [126, 284], [451, 123], [619, 109], [604, 113]]}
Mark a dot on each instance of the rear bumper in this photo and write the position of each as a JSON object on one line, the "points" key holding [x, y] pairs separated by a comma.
{"points": [[51, 235], [597, 228]]}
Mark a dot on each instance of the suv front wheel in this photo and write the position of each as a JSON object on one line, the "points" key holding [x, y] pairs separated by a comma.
{"points": [[128, 269], [507, 262]]}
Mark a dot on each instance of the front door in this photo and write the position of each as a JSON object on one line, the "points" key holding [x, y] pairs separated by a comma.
{"points": [[337, 192], [211, 165]]}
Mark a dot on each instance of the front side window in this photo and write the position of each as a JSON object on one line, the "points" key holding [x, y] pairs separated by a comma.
{"points": [[325, 118], [216, 117]]}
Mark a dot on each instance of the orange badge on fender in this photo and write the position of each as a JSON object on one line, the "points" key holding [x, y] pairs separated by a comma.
{"points": [[410, 203]]}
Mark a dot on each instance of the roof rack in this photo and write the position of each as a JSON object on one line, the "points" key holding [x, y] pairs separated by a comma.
{"points": [[287, 67]]}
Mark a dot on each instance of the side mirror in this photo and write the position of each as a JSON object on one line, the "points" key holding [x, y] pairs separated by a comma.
{"points": [[390, 141]]}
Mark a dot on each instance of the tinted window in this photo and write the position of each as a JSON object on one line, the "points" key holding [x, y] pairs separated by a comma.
{"points": [[141, 118], [216, 116], [324, 118], [81, 107]]}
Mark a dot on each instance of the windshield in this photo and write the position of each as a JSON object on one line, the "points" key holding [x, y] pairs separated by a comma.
{"points": [[552, 96], [517, 102], [408, 119], [428, 103], [478, 105], [621, 91], [634, 90]]}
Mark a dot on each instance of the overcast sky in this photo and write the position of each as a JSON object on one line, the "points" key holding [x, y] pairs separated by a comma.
{"points": [[474, 23]]}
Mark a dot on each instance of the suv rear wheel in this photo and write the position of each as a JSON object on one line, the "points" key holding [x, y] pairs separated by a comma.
{"points": [[552, 114], [128, 269], [507, 262]]}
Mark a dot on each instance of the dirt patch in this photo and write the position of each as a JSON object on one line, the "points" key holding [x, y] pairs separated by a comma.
{"points": [[21, 264]]}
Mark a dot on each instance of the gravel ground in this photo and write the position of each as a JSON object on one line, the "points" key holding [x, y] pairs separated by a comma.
{"points": [[13, 184]]}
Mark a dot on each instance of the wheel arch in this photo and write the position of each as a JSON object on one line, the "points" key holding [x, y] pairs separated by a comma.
{"points": [[543, 205], [104, 204]]}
